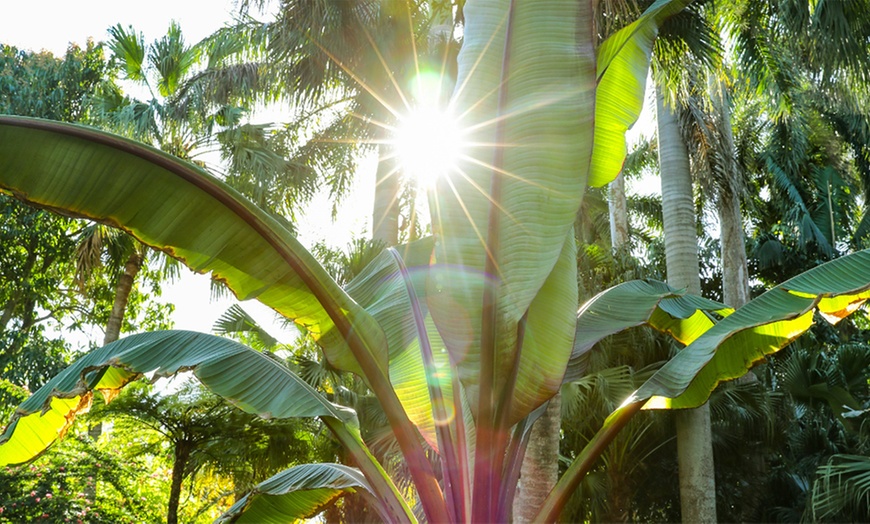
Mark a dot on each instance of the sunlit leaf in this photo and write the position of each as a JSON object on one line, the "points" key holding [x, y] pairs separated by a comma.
{"points": [[635, 303], [248, 379], [174, 206], [525, 97], [761, 327], [623, 64], [300, 492]]}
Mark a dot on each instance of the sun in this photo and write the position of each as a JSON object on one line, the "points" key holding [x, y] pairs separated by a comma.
{"points": [[429, 143]]}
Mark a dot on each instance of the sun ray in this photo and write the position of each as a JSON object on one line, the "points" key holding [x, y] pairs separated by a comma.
{"points": [[393, 199], [473, 225], [413, 43], [522, 110], [389, 73], [507, 173], [370, 120], [482, 99], [356, 78], [392, 172], [446, 55], [486, 194]]}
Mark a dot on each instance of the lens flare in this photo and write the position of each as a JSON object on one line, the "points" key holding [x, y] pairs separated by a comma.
{"points": [[428, 144]]}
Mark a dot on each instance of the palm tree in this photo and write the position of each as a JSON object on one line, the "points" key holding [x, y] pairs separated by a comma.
{"points": [[356, 58], [204, 433], [694, 436], [694, 441]]}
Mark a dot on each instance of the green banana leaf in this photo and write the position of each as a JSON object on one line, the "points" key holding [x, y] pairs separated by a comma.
{"points": [[525, 98], [635, 303], [175, 207], [548, 334], [534, 138], [300, 492], [715, 352], [246, 378], [381, 290], [623, 63], [761, 327]]}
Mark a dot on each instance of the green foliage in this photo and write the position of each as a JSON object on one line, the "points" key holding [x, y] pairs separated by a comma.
{"points": [[45, 86], [52, 488], [481, 324]]}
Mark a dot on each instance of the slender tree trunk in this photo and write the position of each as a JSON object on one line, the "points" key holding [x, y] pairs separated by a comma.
{"points": [[385, 213], [116, 318], [735, 272], [540, 469], [694, 442], [618, 206], [122, 295], [182, 455]]}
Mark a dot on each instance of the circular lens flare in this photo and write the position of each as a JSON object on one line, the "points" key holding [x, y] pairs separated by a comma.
{"points": [[428, 143]]}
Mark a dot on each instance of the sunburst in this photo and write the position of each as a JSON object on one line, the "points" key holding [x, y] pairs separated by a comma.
{"points": [[429, 142]]}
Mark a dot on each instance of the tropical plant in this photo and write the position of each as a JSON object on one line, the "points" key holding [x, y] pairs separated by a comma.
{"points": [[54, 487], [462, 339], [205, 434]]}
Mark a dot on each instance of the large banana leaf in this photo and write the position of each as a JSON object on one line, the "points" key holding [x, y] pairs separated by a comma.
{"points": [[300, 492], [761, 327], [246, 378], [635, 303], [623, 63], [174, 206], [503, 218], [524, 96], [724, 351], [381, 289]]}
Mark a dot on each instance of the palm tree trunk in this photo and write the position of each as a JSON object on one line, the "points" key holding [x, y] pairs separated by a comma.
{"points": [[540, 469], [735, 272], [694, 442], [618, 206], [385, 213], [122, 295], [116, 317]]}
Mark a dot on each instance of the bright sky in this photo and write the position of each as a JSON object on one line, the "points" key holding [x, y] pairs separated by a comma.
{"points": [[51, 24]]}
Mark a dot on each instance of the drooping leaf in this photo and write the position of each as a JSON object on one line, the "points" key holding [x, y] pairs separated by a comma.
{"points": [[524, 96], [634, 303], [623, 64], [761, 327], [248, 379], [174, 206], [541, 362], [300, 492]]}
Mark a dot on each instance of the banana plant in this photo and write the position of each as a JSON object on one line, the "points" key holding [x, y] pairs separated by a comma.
{"points": [[462, 337]]}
